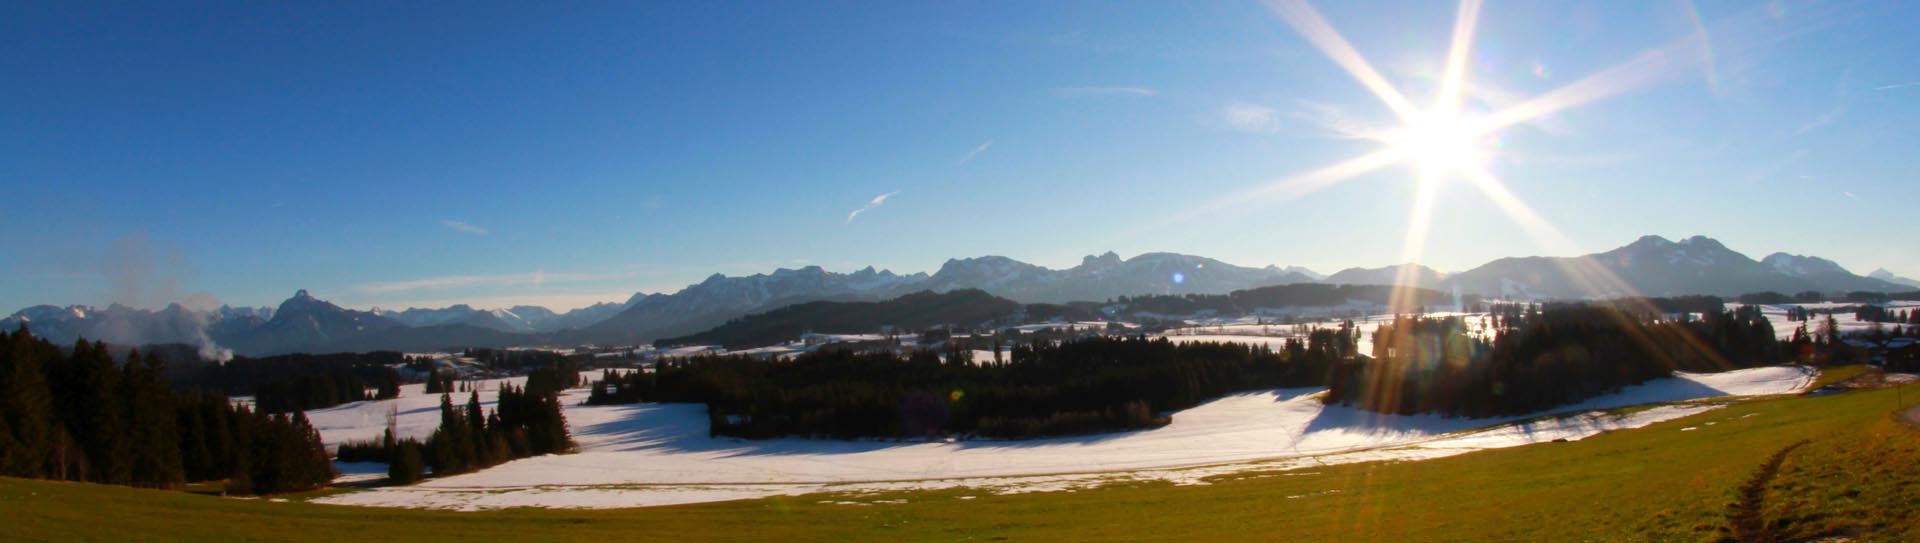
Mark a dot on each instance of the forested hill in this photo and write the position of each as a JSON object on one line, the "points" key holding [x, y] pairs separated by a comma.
{"points": [[924, 309], [1276, 297]]}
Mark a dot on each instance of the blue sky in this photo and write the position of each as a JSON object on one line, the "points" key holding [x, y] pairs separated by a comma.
{"points": [[420, 154]]}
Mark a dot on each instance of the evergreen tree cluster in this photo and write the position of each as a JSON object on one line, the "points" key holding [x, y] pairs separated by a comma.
{"points": [[1094, 384], [522, 424], [1292, 295], [313, 392], [525, 422], [1542, 357], [79, 416], [439, 382], [1799, 314], [554, 377], [1878, 313], [515, 360], [1765, 298], [299, 382]]}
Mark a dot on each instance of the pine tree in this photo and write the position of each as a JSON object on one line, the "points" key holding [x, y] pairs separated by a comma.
{"points": [[26, 406], [315, 468], [152, 441], [407, 466], [93, 413], [479, 451]]}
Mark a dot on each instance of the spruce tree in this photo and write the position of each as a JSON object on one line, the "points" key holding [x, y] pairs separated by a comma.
{"points": [[93, 413], [476, 432], [152, 441], [26, 406], [407, 467]]}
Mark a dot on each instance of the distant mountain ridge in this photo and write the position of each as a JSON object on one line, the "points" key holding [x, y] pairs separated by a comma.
{"points": [[1651, 265], [1098, 277], [918, 310], [1656, 266], [1884, 275], [523, 319], [1417, 276]]}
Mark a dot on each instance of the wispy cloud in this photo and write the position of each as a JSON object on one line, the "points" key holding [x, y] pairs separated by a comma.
{"points": [[1070, 92], [561, 302], [1773, 167], [1337, 121], [974, 153], [459, 226], [536, 279], [882, 199], [1824, 119], [1250, 117], [1841, 103], [1897, 86]]}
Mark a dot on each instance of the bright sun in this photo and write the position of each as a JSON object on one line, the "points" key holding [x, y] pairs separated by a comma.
{"points": [[1440, 143]]}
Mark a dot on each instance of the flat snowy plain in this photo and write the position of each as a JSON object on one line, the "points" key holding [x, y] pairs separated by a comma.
{"points": [[1843, 316], [660, 454]]}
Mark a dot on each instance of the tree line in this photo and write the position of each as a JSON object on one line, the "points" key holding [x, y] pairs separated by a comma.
{"points": [[526, 421], [80, 416], [1042, 388], [1542, 357], [300, 382], [1520, 358], [322, 391], [1883, 314], [1279, 296]]}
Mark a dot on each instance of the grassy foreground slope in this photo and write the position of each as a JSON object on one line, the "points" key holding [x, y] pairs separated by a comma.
{"points": [[1853, 473]]}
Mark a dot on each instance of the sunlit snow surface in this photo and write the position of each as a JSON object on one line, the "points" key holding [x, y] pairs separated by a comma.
{"points": [[1843, 316], [659, 454]]}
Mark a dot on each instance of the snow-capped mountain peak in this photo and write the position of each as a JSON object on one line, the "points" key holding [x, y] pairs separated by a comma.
{"points": [[1800, 265], [1884, 275]]}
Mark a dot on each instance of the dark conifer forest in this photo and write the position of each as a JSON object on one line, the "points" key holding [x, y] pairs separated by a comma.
{"points": [[526, 421], [80, 416], [1523, 359], [1543, 357], [1050, 388], [299, 382], [1279, 296]]}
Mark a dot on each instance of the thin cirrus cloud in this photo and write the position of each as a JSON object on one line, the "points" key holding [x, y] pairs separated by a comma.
{"points": [[1250, 117], [1334, 120], [535, 279], [1841, 102], [1071, 92], [459, 226], [876, 202], [982, 148]]}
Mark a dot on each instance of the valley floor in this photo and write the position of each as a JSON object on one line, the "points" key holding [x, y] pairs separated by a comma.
{"points": [[1789, 468], [660, 454]]}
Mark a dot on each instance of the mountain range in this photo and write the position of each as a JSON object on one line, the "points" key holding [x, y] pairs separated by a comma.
{"points": [[1884, 275], [1652, 266]]}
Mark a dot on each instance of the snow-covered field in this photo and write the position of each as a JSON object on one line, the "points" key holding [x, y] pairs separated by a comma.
{"points": [[1842, 315], [658, 454]]}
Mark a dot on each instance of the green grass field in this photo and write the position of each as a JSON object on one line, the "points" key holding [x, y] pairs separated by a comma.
{"points": [[1855, 476]]}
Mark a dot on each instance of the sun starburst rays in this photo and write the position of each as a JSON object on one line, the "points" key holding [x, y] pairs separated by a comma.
{"points": [[1308, 22], [1442, 142], [1448, 141], [1455, 75]]}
